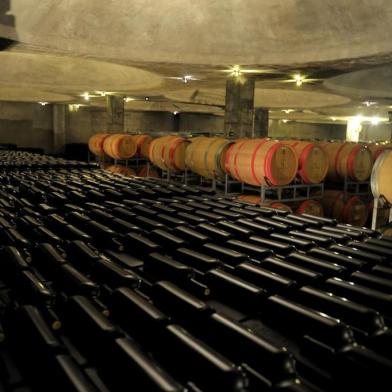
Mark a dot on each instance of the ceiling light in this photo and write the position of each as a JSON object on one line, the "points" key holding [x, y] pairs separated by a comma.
{"points": [[146, 98], [288, 111], [86, 96], [175, 113], [74, 107], [102, 93], [375, 120], [43, 103], [333, 118], [128, 99], [236, 71], [299, 79], [187, 78], [285, 120], [369, 103]]}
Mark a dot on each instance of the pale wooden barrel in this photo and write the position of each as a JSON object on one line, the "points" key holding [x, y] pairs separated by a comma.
{"points": [[312, 161], [382, 215], [350, 160], [168, 152], [95, 144], [381, 180], [312, 207], [143, 144], [353, 211], [261, 162], [377, 149], [121, 169], [120, 146], [206, 156]]}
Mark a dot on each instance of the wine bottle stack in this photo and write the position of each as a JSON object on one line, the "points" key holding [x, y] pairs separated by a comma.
{"points": [[110, 283]]}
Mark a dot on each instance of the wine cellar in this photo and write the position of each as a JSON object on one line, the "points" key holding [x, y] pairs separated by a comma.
{"points": [[195, 196]]}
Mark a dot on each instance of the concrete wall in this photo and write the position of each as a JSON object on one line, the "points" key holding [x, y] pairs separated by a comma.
{"points": [[372, 133], [26, 125], [294, 129], [201, 122]]}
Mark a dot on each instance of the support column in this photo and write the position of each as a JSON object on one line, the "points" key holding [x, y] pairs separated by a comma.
{"points": [[354, 128], [239, 105], [115, 113], [260, 124], [59, 128], [390, 120]]}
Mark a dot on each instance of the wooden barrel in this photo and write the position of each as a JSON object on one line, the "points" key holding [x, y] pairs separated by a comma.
{"points": [[120, 146], [206, 156], [121, 169], [312, 161], [353, 211], [144, 171], [168, 152], [312, 207], [280, 206], [252, 199], [377, 149], [261, 162], [143, 144], [387, 231], [381, 176], [95, 144], [350, 160]]}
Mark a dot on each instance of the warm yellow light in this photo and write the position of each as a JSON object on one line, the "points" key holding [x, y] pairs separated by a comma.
{"points": [[299, 79], [288, 111], [43, 103], [86, 96], [285, 120], [236, 71], [128, 99], [333, 118]]}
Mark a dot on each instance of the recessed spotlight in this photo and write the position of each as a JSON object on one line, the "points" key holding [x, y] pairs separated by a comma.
{"points": [[288, 111], [43, 103], [128, 99], [175, 112], [369, 103], [86, 96], [146, 98], [285, 120]]}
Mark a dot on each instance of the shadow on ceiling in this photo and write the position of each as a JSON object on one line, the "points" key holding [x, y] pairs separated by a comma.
{"points": [[8, 20]]}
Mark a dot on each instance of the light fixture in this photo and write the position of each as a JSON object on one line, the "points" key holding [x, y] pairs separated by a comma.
{"points": [[102, 93], [369, 103], [187, 78], [74, 107], [86, 96], [333, 118], [375, 120], [236, 71], [285, 120], [175, 112], [288, 111], [43, 103], [146, 98], [299, 79], [128, 99]]}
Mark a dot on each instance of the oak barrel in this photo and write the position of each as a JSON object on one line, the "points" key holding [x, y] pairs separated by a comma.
{"points": [[121, 169], [380, 181], [120, 146], [143, 144], [312, 161], [312, 207], [261, 162], [95, 144], [206, 156], [350, 160], [168, 152]]}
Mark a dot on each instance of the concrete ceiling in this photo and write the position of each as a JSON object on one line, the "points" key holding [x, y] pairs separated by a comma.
{"points": [[136, 48]]}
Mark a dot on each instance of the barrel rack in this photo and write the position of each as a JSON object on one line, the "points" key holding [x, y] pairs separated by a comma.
{"points": [[379, 205]]}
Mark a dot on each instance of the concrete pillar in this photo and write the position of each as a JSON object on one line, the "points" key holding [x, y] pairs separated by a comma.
{"points": [[115, 113], [239, 104], [354, 128], [59, 128], [260, 123], [390, 120]]}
